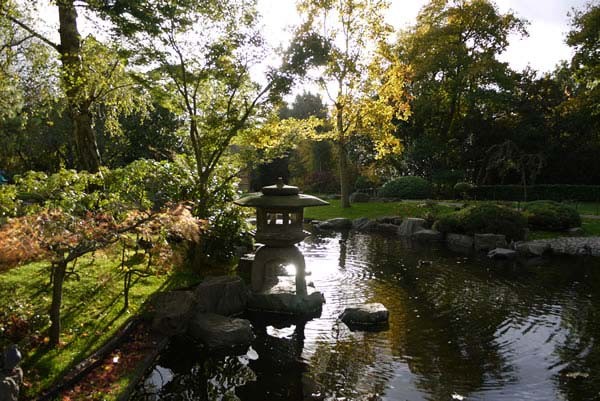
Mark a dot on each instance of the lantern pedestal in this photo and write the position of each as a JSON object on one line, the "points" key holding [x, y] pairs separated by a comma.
{"points": [[279, 219]]}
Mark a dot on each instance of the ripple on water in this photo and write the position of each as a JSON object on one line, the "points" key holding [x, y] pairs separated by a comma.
{"points": [[460, 326]]}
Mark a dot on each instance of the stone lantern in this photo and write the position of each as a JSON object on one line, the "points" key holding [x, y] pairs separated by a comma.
{"points": [[279, 219]]}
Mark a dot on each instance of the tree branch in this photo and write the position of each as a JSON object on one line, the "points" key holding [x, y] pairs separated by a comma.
{"points": [[33, 33]]}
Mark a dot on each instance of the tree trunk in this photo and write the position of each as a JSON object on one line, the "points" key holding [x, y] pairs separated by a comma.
{"points": [[88, 157], [524, 179], [344, 176], [58, 278], [343, 160]]}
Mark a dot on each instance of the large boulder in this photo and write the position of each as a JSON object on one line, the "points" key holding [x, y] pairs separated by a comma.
{"points": [[339, 223], [428, 235], [385, 228], [365, 315], [282, 298], [172, 312], [533, 248], [218, 332], [502, 254], [364, 224], [397, 220], [460, 240], [410, 226], [487, 242], [224, 295]]}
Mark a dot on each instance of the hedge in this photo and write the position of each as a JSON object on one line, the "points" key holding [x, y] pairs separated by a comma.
{"points": [[538, 192], [407, 187]]}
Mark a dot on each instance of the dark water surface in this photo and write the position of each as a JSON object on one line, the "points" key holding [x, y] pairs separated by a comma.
{"points": [[461, 328]]}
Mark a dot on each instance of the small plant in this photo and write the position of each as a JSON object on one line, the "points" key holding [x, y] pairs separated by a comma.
{"points": [[551, 216], [407, 188]]}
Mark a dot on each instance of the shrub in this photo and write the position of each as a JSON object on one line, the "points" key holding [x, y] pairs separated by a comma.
{"points": [[551, 216], [363, 182], [359, 197], [463, 190], [407, 188], [485, 218]]}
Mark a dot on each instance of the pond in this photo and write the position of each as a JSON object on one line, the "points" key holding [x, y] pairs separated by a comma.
{"points": [[461, 327]]}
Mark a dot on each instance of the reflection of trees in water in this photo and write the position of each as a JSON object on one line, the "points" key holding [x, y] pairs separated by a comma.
{"points": [[279, 367], [579, 353], [351, 364], [202, 377], [451, 314]]}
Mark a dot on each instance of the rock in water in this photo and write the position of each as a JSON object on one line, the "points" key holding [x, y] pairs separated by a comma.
{"points": [[219, 332], [486, 242], [502, 254], [340, 223], [460, 240], [173, 310], [428, 235], [223, 295], [410, 226], [365, 315]]}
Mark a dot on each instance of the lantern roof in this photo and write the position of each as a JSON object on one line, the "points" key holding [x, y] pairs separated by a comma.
{"points": [[280, 196]]}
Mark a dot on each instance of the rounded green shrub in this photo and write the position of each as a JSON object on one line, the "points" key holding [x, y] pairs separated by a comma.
{"points": [[484, 218], [463, 190], [407, 188], [550, 216]]}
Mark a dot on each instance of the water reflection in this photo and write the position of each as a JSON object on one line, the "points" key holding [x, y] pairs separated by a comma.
{"points": [[460, 326]]}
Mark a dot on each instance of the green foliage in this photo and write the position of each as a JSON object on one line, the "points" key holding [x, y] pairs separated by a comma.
{"points": [[150, 184], [463, 190], [538, 192], [407, 188], [484, 218], [363, 182], [8, 202], [550, 216]]}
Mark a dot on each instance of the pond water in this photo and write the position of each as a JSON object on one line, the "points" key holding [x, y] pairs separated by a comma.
{"points": [[461, 327]]}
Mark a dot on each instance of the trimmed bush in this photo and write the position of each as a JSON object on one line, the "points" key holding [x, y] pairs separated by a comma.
{"points": [[407, 188], [485, 218], [359, 197], [463, 190], [550, 216]]}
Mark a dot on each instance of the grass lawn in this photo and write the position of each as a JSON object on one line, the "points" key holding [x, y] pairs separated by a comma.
{"points": [[376, 209], [92, 311]]}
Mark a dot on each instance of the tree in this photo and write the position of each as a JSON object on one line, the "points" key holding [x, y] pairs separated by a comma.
{"points": [[359, 66], [91, 74], [507, 157], [458, 87], [206, 79]]}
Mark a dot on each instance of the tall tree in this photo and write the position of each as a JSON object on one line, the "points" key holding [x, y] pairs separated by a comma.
{"points": [[457, 79], [91, 73], [204, 74], [363, 79]]}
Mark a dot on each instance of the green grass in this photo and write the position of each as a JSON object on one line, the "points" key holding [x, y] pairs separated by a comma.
{"points": [[375, 209], [92, 312]]}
